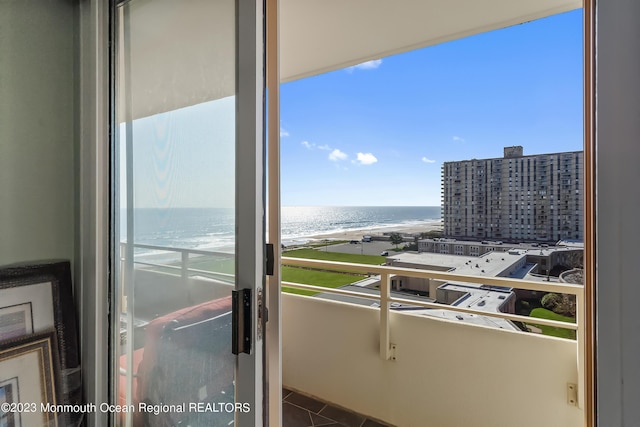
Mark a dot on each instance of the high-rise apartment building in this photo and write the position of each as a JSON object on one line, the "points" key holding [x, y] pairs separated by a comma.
{"points": [[514, 198]]}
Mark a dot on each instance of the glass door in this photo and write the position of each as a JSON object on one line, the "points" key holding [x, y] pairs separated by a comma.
{"points": [[188, 213]]}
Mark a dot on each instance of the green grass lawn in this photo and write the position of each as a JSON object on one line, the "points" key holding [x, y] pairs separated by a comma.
{"points": [[326, 243], [543, 313], [326, 279], [335, 256], [315, 277], [218, 265], [294, 274]]}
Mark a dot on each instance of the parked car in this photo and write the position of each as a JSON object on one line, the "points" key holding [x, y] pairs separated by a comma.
{"points": [[384, 253], [354, 242]]}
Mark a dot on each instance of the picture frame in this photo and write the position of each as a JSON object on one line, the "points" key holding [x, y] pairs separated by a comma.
{"points": [[28, 378], [36, 297], [16, 320]]}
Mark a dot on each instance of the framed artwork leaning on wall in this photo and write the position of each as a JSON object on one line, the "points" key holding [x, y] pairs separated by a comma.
{"points": [[29, 372], [36, 297]]}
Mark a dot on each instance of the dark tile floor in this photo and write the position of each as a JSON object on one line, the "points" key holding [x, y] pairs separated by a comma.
{"points": [[303, 411]]}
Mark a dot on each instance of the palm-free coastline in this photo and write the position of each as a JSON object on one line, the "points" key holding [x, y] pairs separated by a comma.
{"points": [[210, 229], [412, 229]]}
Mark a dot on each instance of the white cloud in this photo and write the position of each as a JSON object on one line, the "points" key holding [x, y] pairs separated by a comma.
{"points": [[369, 65], [313, 146], [337, 155], [283, 133], [458, 139], [424, 159], [366, 158]]}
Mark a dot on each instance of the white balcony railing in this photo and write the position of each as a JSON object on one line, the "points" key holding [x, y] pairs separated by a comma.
{"points": [[185, 254], [443, 374], [386, 272], [477, 375]]}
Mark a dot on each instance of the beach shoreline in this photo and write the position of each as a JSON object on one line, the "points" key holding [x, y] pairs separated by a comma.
{"points": [[377, 231]]}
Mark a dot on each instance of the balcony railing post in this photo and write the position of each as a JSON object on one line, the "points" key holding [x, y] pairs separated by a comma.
{"points": [[185, 264], [580, 341], [385, 285], [122, 283]]}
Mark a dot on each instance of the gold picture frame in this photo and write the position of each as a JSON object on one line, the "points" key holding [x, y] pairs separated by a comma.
{"points": [[28, 381]]}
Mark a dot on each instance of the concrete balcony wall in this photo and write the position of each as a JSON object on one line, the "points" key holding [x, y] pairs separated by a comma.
{"points": [[446, 374]]}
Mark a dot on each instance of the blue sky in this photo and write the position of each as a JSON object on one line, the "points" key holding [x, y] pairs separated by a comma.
{"points": [[377, 134]]}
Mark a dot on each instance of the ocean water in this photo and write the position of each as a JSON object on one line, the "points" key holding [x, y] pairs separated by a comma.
{"points": [[298, 223], [213, 229]]}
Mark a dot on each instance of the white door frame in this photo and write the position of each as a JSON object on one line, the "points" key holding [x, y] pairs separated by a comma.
{"points": [[92, 262], [96, 118], [273, 368], [250, 211]]}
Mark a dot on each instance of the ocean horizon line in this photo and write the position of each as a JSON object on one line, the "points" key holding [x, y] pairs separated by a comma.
{"points": [[294, 206]]}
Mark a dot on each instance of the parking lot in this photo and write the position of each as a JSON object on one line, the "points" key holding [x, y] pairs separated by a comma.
{"points": [[364, 248]]}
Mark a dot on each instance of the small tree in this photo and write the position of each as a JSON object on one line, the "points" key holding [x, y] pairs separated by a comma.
{"points": [[396, 239], [551, 301], [560, 303]]}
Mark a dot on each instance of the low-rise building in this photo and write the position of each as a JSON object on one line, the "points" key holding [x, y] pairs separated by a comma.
{"points": [[563, 255]]}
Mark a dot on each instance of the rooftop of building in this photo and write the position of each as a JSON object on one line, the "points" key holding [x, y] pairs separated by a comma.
{"points": [[479, 297], [498, 262], [508, 263], [528, 246], [369, 289], [476, 295], [571, 243], [490, 264], [473, 319], [514, 157]]}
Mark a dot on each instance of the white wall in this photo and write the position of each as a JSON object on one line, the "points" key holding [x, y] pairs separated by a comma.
{"points": [[618, 212], [37, 136], [446, 374]]}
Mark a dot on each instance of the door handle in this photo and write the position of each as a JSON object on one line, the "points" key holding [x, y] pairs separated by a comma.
{"points": [[241, 321], [271, 260]]}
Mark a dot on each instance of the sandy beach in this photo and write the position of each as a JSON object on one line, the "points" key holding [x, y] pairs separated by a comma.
{"points": [[378, 231]]}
